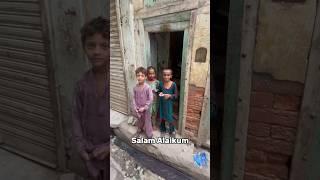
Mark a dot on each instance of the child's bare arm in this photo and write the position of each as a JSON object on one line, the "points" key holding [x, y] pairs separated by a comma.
{"points": [[175, 94]]}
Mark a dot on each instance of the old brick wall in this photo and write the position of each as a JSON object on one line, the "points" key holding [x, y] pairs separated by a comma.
{"points": [[194, 107], [272, 127]]}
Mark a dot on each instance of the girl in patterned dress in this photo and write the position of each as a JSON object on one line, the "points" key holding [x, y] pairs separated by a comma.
{"points": [[154, 84], [168, 93]]}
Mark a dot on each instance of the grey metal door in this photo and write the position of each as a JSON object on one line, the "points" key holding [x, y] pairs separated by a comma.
{"points": [[118, 89], [27, 122]]}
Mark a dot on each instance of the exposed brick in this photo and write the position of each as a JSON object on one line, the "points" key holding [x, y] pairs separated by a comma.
{"points": [[265, 83], [195, 98], [250, 176], [190, 133], [196, 104], [270, 116], [284, 102], [191, 126], [196, 91], [268, 170], [270, 145], [261, 99], [194, 115], [277, 158], [189, 110], [192, 119], [260, 115], [197, 108], [259, 129], [284, 133], [254, 155], [285, 118]]}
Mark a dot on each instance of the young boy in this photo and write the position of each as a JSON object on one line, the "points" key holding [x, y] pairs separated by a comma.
{"points": [[91, 131], [142, 101]]}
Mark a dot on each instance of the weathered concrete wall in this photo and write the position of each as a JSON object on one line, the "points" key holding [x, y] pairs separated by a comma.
{"points": [[69, 61], [283, 38], [198, 71], [95, 8], [282, 45], [201, 38], [129, 43], [138, 5]]}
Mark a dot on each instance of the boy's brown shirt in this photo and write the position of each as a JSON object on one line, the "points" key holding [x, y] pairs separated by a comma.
{"points": [[91, 121]]}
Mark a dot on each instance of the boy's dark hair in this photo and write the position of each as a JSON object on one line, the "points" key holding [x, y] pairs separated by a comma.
{"points": [[141, 70], [97, 25], [151, 67], [167, 69]]}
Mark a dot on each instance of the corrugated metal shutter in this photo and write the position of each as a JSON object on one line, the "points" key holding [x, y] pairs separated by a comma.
{"points": [[118, 89], [26, 114]]}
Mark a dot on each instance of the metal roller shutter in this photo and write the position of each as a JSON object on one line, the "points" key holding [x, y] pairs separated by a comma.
{"points": [[26, 111], [118, 89]]}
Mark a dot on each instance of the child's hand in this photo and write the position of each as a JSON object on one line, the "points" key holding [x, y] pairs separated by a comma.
{"points": [[167, 96], [160, 94], [101, 153], [85, 156], [141, 109]]}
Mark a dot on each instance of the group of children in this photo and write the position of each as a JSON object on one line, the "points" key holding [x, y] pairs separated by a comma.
{"points": [[90, 118], [154, 99]]}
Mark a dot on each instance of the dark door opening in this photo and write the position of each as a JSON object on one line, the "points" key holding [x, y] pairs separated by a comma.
{"points": [[166, 52], [175, 59], [217, 84]]}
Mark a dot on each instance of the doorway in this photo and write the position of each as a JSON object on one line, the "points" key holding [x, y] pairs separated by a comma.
{"points": [[166, 50], [220, 36]]}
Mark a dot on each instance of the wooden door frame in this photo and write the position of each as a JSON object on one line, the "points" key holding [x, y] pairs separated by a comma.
{"points": [[306, 158], [240, 55], [175, 25]]}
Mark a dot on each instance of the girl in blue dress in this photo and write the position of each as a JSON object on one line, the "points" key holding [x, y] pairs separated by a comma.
{"points": [[168, 93]]}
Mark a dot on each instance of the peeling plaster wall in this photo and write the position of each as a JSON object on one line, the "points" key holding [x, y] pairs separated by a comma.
{"points": [[283, 39], [199, 71]]}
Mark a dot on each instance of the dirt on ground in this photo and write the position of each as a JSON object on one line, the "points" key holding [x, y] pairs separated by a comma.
{"points": [[129, 167]]}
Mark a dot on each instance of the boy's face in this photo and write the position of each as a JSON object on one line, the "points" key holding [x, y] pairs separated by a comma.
{"points": [[151, 74], [141, 77], [167, 75], [97, 49]]}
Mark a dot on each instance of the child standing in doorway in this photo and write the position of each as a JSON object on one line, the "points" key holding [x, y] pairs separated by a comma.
{"points": [[154, 85], [142, 100], [168, 92]]}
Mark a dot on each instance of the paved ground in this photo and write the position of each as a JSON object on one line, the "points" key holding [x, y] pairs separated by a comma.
{"points": [[14, 167], [123, 166], [179, 156]]}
